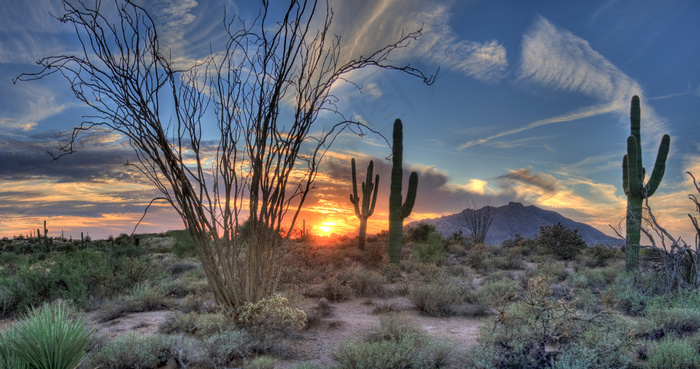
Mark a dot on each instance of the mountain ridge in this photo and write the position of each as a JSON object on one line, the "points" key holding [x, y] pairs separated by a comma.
{"points": [[516, 218]]}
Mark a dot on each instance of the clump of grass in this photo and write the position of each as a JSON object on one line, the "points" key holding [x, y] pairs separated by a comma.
{"points": [[674, 354], [52, 336], [395, 344], [447, 296], [131, 351], [679, 321], [143, 297]]}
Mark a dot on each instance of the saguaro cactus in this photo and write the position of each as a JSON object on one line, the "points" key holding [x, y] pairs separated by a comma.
{"points": [[633, 182], [397, 210], [369, 199]]}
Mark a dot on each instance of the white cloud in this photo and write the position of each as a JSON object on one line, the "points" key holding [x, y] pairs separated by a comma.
{"points": [[385, 21], [556, 59]]}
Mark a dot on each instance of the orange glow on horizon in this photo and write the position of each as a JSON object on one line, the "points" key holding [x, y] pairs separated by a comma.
{"points": [[326, 227]]}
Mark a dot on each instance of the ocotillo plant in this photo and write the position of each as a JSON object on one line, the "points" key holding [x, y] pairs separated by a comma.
{"points": [[398, 211], [633, 182], [369, 199]]}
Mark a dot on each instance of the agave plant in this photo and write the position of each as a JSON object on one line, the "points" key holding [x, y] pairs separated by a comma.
{"points": [[49, 337]]}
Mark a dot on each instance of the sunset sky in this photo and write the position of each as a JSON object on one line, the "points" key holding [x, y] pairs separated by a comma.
{"points": [[531, 104]]}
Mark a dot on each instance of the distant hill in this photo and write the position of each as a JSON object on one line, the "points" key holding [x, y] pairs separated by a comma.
{"points": [[515, 218]]}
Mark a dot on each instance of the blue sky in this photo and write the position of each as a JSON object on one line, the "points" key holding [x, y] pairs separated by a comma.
{"points": [[531, 104]]}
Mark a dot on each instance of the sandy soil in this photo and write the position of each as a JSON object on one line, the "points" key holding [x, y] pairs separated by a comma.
{"points": [[356, 318], [347, 320]]}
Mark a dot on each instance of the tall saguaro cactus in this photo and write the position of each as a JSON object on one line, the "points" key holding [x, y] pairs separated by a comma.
{"points": [[397, 210], [369, 199], [633, 182]]}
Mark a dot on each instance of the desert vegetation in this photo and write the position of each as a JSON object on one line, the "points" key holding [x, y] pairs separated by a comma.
{"points": [[234, 291], [549, 301]]}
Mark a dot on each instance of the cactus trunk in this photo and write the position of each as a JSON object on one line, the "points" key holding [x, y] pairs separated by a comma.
{"points": [[397, 210], [633, 182]]}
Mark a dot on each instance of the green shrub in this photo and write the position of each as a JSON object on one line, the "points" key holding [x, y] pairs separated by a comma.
{"points": [[363, 282], [563, 242], [271, 314], [184, 246], [223, 348], [421, 232], [131, 351], [143, 297], [525, 333], [445, 296], [477, 256], [431, 250], [50, 337], [673, 354], [598, 256], [260, 362], [681, 321], [393, 345]]}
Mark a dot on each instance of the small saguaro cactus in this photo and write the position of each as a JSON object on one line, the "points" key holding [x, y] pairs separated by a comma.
{"points": [[369, 190], [397, 210], [633, 182]]}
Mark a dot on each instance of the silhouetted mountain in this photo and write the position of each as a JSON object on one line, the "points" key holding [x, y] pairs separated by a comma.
{"points": [[515, 218]]}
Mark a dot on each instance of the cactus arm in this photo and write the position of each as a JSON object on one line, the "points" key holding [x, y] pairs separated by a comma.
{"points": [[633, 167], [659, 167], [374, 195], [354, 199], [410, 195], [625, 175]]}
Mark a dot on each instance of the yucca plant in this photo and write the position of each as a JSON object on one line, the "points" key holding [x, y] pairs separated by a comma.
{"points": [[49, 338], [8, 360]]}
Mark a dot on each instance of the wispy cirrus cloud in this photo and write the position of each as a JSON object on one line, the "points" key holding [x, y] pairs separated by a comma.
{"points": [[558, 60], [383, 22]]}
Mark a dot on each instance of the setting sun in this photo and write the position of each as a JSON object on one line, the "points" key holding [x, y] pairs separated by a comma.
{"points": [[327, 227]]}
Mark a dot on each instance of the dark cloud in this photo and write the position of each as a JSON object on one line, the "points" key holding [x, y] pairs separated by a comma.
{"points": [[27, 157], [436, 194], [524, 176]]}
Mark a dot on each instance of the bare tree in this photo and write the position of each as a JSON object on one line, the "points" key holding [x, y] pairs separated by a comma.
{"points": [[231, 133], [478, 220]]}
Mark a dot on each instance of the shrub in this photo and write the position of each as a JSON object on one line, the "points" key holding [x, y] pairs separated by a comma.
{"points": [[260, 362], [444, 297], [674, 354], [48, 337], [143, 297], [395, 344], [430, 250], [476, 256], [421, 232], [337, 289], [598, 256], [131, 351], [223, 348], [363, 282], [271, 314], [184, 246], [563, 242], [528, 333], [681, 321]]}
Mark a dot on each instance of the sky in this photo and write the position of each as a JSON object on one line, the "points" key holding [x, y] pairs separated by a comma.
{"points": [[531, 104]]}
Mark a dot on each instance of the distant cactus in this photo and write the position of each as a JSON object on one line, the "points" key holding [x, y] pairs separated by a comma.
{"points": [[398, 211], [369, 189], [633, 182]]}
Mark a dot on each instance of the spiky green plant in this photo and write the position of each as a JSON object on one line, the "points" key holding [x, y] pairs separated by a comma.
{"points": [[397, 210], [369, 199], [50, 338], [633, 181]]}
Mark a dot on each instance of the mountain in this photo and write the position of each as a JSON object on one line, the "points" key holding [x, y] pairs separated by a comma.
{"points": [[515, 218]]}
